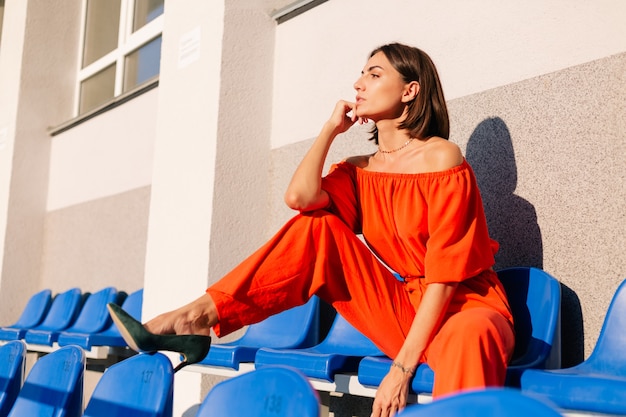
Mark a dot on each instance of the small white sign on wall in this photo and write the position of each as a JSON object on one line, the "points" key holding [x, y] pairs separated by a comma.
{"points": [[189, 48]]}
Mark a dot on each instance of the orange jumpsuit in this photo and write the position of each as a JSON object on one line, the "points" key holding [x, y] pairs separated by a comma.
{"points": [[428, 228]]}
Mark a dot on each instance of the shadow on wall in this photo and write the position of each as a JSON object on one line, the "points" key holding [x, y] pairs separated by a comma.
{"points": [[572, 332], [512, 221]]}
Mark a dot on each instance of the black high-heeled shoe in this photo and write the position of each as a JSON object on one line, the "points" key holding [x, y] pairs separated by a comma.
{"points": [[192, 347]]}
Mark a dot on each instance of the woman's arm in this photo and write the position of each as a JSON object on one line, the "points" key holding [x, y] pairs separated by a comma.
{"points": [[393, 390], [427, 319], [304, 192]]}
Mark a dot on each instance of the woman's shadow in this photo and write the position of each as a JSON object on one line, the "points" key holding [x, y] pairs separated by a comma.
{"points": [[512, 221]]}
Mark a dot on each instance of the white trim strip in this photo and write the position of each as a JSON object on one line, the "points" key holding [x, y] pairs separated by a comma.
{"points": [[294, 9]]}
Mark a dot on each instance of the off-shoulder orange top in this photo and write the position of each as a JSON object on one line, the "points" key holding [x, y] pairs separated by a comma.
{"points": [[428, 227]]}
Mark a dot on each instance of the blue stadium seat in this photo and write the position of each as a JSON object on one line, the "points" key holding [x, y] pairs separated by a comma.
{"points": [[485, 403], [111, 335], [92, 317], [535, 299], [598, 384], [142, 386], [63, 311], [340, 351], [292, 329], [268, 392], [372, 370], [33, 314], [12, 363], [54, 386]]}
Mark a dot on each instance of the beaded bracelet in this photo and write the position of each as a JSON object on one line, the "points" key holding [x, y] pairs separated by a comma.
{"points": [[409, 371]]}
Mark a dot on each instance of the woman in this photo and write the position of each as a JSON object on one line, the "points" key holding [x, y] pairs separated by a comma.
{"points": [[417, 205]]}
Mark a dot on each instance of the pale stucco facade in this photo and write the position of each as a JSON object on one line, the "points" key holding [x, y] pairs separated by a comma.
{"points": [[169, 190]]}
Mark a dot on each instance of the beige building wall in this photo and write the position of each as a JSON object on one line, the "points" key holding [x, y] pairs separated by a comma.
{"points": [[37, 76], [476, 46], [98, 204], [174, 187]]}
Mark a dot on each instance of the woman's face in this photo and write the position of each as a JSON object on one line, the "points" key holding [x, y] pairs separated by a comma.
{"points": [[380, 90]]}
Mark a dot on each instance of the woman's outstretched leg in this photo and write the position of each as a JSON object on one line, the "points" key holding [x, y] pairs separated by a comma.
{"points": [[314, 253], [196, 317]]}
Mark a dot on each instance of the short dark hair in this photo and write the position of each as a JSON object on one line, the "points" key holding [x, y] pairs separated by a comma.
{"points": [[428, 113]]}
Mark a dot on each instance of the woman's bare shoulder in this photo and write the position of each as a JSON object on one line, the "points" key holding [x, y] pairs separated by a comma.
{"points": [[442, 154]]}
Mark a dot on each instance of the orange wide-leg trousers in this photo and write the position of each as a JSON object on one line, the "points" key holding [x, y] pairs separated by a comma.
{"points": [[317, 254]]}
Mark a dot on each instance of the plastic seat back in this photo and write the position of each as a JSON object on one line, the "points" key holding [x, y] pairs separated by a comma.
{"points": [[485, 403], [267, 392], [36, 309], [132, 305], [12, 362], [598, 384], [293, 328], [343, 338], [141, 386], [109, 336], [341, 351], [91, 317], [54, 386], [609, 355], [94, 316], [535, 300], [63, 311], [33, 314]]}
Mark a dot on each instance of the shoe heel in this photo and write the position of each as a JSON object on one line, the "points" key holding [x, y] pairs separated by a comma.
{"points": [[193, 347]]}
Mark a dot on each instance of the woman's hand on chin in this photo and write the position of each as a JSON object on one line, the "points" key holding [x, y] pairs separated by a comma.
{"points": [[344, 117]]}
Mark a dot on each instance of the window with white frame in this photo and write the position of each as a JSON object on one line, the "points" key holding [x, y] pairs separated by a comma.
{"points": [[121, 49]]}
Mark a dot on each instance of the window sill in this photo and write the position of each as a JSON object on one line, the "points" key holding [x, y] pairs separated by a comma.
{"points": [[115, 102]]}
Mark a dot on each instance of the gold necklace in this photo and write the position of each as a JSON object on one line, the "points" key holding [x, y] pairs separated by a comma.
{"points": [[397, 149]]}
